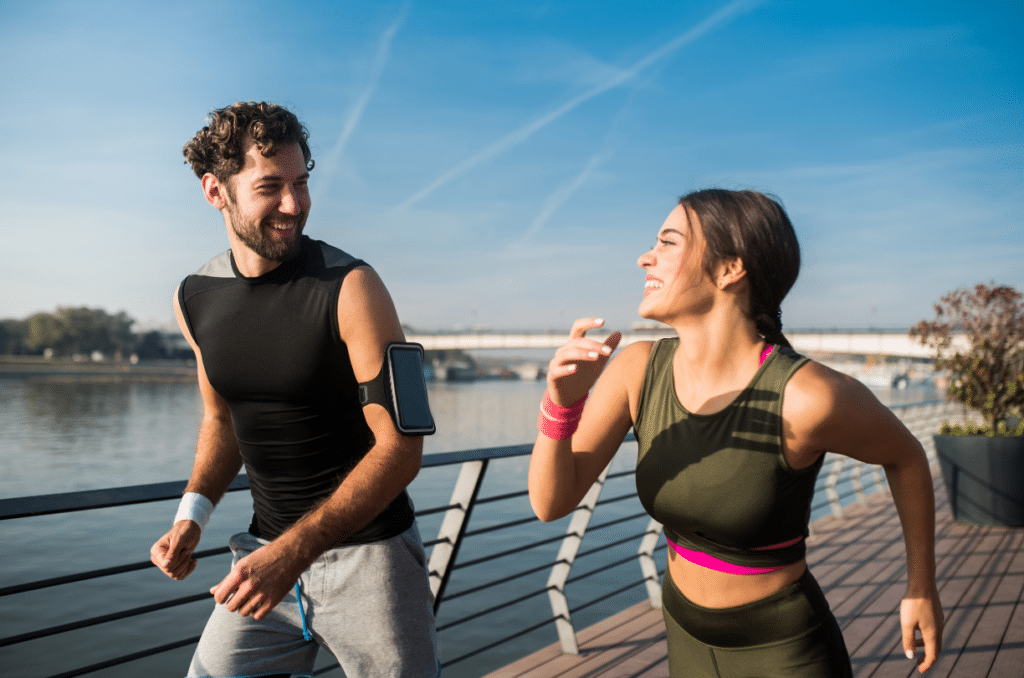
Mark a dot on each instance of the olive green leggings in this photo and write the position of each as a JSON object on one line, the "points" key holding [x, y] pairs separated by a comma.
{"points": [[790, 634]]}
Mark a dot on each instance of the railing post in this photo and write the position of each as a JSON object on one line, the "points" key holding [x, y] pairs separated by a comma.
{"points": [[858, 486], [453, 527], [648, 567], [563, 564], [830, 486]]}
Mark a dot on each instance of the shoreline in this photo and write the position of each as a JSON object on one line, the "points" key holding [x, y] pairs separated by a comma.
{"points": [[62, 369]]}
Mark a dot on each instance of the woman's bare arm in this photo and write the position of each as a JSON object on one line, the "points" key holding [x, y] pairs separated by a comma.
{"points": [[825, 410], [561, 471]]}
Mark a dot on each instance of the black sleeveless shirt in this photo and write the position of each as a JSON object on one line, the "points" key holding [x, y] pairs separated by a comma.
{"points": [[273, 351]]}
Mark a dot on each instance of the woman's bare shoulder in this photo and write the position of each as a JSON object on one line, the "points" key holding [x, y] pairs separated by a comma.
{"points": [[625, 373], [631, 361], [637, 350], [817, 387], [822, 407]]}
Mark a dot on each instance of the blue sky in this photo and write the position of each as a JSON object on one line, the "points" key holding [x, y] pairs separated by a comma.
{"points": [[503, 164]]}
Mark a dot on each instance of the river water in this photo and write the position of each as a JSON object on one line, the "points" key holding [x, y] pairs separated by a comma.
{"points": [[68, 435]]}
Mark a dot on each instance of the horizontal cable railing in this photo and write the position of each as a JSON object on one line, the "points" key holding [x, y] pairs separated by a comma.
{"points": [[841, 482]]}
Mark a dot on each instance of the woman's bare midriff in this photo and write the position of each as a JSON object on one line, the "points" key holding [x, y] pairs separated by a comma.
{"points": [[710, 588]]}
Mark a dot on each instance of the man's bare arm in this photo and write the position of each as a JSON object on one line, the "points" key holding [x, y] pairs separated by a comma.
{"points": [[216, 464]]}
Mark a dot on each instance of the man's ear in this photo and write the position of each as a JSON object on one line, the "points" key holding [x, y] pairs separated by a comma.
{"points": [[730, 272], [214, 191]]}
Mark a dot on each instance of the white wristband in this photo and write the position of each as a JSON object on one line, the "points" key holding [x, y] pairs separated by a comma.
{"points": [[194, 507]]}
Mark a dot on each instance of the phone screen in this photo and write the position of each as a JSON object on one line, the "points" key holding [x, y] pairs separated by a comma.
{"points": [[409, 389]]}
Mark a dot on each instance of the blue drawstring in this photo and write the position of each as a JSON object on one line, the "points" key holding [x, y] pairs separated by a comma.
{"points": [[302, 613]]}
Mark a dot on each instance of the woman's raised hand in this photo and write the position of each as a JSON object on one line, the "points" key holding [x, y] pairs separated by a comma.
{"points": [[576, 366]]}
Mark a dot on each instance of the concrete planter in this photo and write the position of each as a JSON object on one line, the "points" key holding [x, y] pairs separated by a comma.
{"points": [[984, 478]]}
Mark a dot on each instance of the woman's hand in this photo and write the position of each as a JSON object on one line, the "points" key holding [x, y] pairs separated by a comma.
{"points": [[922, 615], [562, 469], [576, 366]]}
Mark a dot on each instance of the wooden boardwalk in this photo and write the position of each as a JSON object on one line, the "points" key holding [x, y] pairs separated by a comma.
{"points": [[859, 562]]}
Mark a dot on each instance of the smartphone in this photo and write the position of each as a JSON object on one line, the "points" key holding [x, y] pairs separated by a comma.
{"points": [[408, 389]]}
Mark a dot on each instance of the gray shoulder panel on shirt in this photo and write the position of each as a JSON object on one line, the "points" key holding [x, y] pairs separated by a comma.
{"points": [[218, 267], [335, 258]]}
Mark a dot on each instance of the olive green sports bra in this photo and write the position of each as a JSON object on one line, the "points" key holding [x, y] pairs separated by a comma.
{"points": [[720, 483]]}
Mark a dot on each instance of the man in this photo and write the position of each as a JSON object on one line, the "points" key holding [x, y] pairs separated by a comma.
{"points": [[284, 328]]}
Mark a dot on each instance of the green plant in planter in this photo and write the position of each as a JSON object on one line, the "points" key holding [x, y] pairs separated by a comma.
{"points": [[988, 373], [971, 429], [978, 337]]}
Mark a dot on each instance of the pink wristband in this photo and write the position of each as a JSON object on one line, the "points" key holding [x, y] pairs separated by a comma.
{"points": [[556, 430], [559, 413], [557, 422]]}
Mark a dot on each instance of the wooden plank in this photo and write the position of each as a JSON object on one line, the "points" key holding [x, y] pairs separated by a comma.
{"points": [[874, 637], [866, 549], [652, 662], [863, 600], [1010, 658], [872, 633], [886, 646], [618, 660], [603, 643], [1006, 607], [982, 647], [965, 595]]}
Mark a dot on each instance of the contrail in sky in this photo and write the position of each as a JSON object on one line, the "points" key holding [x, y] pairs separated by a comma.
{"points": [[563, 193], [518, 136], [379, 61]]}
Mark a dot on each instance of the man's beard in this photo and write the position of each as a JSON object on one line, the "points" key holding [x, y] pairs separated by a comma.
{"points": [[254, 237]]}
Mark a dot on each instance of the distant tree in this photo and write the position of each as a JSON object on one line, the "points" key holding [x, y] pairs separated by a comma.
{"points": [[84, 330], [117, 332], [80, 330], [44, 331], [12, 337]]}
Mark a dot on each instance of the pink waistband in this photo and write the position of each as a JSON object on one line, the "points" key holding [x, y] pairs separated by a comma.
{"points": [[712, 563]]}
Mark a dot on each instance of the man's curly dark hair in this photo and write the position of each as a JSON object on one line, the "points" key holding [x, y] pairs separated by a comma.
{"points": [[217, 148]]}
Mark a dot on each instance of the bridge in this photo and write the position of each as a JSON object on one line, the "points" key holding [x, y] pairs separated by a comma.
{"points": [[848, 342]]}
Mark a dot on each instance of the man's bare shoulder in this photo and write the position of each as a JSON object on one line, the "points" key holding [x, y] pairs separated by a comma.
{"points": [[363, 285], [366, 312]]}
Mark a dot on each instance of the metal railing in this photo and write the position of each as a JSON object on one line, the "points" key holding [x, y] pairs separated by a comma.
{"points": [[846, 481]]}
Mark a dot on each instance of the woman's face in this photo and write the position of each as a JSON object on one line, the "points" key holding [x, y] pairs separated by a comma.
{"points": [[675, 282]]}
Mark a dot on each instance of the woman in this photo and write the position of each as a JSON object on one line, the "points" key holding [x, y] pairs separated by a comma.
{"points": [[732, 426]]}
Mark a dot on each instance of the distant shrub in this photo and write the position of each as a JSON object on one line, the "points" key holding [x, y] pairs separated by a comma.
{"points": [[988, 375], [972, 429]]}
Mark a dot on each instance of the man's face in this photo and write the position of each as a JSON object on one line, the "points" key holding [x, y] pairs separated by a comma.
{"points": [[268, 201]]}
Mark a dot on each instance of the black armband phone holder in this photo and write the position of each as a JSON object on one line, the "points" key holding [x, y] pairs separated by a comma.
{"points": [[401, 389]]}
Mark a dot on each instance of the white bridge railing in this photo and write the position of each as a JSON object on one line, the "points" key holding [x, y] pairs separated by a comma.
{"points": [[875, 343]]}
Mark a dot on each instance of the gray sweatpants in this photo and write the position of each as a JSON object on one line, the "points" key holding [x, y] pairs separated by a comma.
{"points": [[369, 604]]}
